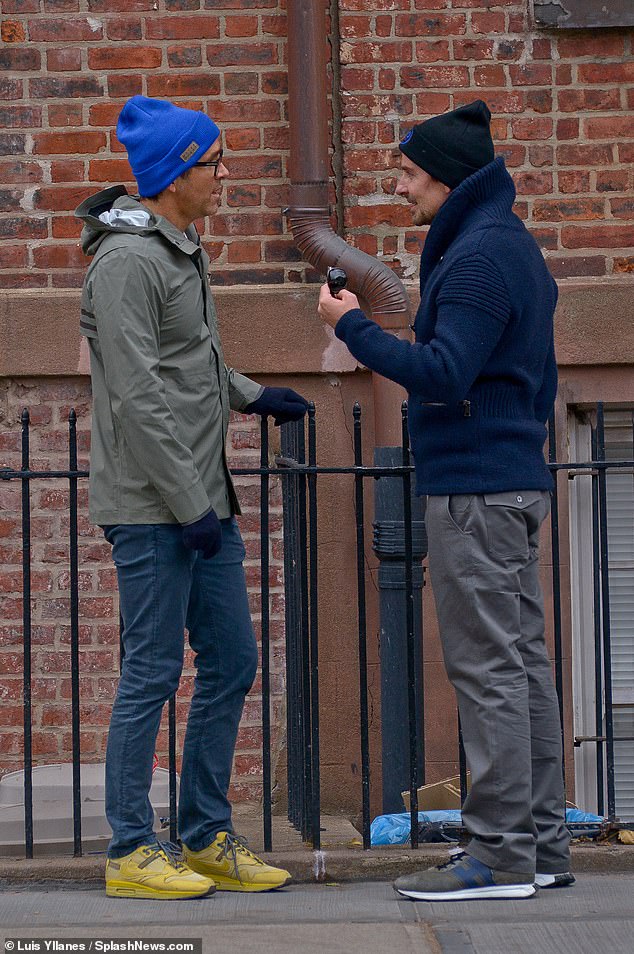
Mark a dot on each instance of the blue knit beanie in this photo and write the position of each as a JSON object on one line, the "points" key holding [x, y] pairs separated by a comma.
{"points": [[162, 140]]}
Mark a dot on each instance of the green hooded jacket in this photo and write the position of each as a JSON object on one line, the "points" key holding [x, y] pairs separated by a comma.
{"points": [[161, 390]]}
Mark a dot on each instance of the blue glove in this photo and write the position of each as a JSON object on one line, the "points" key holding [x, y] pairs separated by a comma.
{"points": [[205, 534], [283, 403]]}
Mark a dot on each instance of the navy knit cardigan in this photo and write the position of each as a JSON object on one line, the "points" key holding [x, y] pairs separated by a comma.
{"points": [[481, 376]]}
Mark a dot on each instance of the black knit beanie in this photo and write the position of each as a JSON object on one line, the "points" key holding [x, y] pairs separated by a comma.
{"points": [[452, 146]]}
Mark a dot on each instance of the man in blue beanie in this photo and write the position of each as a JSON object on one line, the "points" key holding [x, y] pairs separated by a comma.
{"points": [[161, 489], [481, 379]]}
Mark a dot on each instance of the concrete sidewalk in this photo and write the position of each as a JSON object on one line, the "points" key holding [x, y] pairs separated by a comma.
{"points": [[593, 917]]}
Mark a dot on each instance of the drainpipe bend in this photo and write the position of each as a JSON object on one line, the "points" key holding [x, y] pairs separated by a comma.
{"points": [[370, 279], [381, 290]]}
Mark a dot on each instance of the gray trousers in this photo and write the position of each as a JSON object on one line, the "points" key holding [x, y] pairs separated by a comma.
{"points": [[483, 561]]}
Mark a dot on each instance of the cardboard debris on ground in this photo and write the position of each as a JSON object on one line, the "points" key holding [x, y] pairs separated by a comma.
{"points": [[439, 795]]}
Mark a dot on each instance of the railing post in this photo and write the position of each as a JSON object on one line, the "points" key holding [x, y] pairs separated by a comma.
{"points": [[171, 762], [26, 624], [265, 635], [363, 652], [390, 545], [298, 717], [314, 633], [556, 577], [74, 631], [415, 685]]}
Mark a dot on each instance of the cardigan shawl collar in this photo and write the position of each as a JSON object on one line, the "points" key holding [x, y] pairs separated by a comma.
{"points": [[490, 190]]}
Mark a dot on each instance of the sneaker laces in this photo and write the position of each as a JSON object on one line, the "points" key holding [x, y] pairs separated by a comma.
{"points": [[234, 845], [169, 852], [455, 859]]}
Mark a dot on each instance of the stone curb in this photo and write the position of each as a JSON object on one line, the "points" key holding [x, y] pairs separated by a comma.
{"points": [[332, 865]]}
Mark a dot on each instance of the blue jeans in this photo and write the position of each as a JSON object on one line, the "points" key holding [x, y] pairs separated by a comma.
{"points": [[163, 588]]}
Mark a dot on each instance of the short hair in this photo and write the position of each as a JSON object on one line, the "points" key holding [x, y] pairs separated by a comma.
{"points": [[153, 198]]}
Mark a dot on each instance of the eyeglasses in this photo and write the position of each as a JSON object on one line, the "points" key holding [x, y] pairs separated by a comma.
{"points": [[215, 163]]}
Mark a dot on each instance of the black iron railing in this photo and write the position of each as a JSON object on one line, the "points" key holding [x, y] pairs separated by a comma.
{"points": [[299, 472]]}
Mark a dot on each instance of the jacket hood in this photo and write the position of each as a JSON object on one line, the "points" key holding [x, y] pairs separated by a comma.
{"points": [[113, 211]]}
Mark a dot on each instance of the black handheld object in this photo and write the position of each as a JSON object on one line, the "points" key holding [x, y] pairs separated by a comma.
{"points": [[337, 279]]}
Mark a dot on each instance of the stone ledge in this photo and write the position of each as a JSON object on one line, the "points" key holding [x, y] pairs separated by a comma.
{"points": [[340, 864], [275, 330]]}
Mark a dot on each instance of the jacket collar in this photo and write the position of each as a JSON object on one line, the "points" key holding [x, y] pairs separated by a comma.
{"points": [[490, 190], [159, 223], [117, 197]]}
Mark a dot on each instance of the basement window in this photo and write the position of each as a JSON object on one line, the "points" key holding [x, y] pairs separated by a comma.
{"points": [[583, 14]]}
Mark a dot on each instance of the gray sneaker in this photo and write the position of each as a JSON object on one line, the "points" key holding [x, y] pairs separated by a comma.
{"points": [[464, 878], [560, 880]]}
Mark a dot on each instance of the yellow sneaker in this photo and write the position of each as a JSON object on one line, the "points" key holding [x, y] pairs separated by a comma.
{"points": [[233, 867], [151, 872]]}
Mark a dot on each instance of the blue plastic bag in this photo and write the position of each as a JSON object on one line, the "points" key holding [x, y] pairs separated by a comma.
{"points": [[583, 823], [395, 829]]}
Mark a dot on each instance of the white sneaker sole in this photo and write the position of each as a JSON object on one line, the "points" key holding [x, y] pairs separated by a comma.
{"points": [[563, 880], [473, 894]]}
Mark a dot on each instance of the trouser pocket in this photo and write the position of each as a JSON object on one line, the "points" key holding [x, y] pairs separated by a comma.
{"points": [[458, 510], [512, 519]]}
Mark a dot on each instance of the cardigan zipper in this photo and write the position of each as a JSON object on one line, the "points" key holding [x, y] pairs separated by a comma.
{"points": [[466, 406]]}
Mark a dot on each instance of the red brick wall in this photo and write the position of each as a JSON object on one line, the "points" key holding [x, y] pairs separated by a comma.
{"points": [[562, 103], [71, 64], [49, 404]]}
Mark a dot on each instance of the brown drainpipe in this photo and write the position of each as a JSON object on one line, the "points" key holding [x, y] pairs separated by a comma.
{"points": [[309, 213], [387, 300]]}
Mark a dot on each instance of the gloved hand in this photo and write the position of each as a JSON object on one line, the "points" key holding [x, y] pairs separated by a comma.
{"points": [[283, 403], [205, 534]]}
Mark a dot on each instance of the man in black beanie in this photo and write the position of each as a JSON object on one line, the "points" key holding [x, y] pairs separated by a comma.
{"points": [[481, 378], [454, 146]]}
